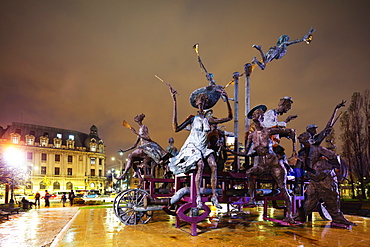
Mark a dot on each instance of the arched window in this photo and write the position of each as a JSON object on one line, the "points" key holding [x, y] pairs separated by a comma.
{"points": [[56, 186], [44, 141], [70, 144], [101, 148], [69, 186], [29, 185], [30, 139], [42, 185], [57, 142], [92, 185]]}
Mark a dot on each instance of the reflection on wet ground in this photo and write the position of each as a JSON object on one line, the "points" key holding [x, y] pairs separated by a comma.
{"points": [[100, 227], [72, 226], [37, 227]]}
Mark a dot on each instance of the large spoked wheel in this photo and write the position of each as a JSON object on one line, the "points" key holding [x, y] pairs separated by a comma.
{"points": [[125, 203]]}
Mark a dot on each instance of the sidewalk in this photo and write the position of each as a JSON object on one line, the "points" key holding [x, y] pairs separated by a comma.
{"points": [[71, 226]]}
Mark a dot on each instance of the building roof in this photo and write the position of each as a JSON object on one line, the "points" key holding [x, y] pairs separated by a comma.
{"points": [[38, 131]]}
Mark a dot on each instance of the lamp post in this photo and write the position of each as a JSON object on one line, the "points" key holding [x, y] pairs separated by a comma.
{"points": [[111, 173], [121, 167]]}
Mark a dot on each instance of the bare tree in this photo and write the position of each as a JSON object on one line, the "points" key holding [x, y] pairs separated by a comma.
{"points": [[355, 136]]}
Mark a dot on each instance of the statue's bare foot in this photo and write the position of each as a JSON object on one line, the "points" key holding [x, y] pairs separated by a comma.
{"points": [[344, 221], [290, 220]]}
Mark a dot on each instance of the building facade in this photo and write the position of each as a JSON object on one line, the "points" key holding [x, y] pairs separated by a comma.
{"points": [[57, 159]]}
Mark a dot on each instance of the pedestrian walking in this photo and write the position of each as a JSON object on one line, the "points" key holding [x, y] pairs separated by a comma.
{"points": [[64, 199], [71, 196], [37, 199], [47, 197]]}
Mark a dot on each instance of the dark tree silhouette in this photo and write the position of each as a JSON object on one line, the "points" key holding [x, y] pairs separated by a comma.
{"points": [[355, 135]]}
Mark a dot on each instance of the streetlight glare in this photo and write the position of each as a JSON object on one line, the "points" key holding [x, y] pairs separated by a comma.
{"points": [[14, 156]]}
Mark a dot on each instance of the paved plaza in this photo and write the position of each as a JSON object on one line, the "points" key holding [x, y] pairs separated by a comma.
{"points": [[74, 226]]}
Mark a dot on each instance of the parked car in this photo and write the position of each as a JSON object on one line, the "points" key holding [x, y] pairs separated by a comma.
{"points": [[91, 195]]}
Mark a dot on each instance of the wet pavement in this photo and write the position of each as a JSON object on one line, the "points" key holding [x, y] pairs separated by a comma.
{"points": [[36, 227], [73, 226]]}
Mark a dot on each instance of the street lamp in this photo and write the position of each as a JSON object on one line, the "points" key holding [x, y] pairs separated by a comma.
{"points": [[16, 169]]}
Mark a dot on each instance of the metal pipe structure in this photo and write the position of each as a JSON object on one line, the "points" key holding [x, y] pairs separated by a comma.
{"points": [[236, 76], [247, 71]]}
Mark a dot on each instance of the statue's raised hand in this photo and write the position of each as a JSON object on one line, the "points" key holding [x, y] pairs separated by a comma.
{"points": [[341, 104]]}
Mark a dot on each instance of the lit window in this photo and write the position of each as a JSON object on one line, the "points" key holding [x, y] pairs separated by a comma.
{"points": [[92, 160], [93, 147], [69, 186], [15, 139], [92, 185], [43, 169], [59, 136], [30, 139], [42, 185], [101, 148], [44, 141], [69, 171], [56, 186], [57, 142], [71, 137], [70, 144]]}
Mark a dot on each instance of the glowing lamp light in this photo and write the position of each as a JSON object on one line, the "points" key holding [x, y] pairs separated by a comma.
{"points": [[14, 156]]}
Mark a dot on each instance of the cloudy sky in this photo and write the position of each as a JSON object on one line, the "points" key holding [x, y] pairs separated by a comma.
{"points": [[72, 64]]}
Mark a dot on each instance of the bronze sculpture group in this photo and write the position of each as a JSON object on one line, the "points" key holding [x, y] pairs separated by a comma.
{"points": [[205, 142]]}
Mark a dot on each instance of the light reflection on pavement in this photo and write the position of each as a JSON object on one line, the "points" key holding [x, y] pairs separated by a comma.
{"points": [[74, 226]]}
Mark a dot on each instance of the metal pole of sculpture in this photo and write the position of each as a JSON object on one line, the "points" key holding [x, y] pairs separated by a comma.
{"points": [[236, 76], [248, 68]]}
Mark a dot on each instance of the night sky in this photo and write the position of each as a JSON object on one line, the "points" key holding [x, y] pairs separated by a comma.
{"points": [[72, 64]]}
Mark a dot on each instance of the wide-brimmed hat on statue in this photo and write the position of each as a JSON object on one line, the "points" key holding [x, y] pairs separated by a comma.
{"points": [[213, 93], [262, 107]]}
